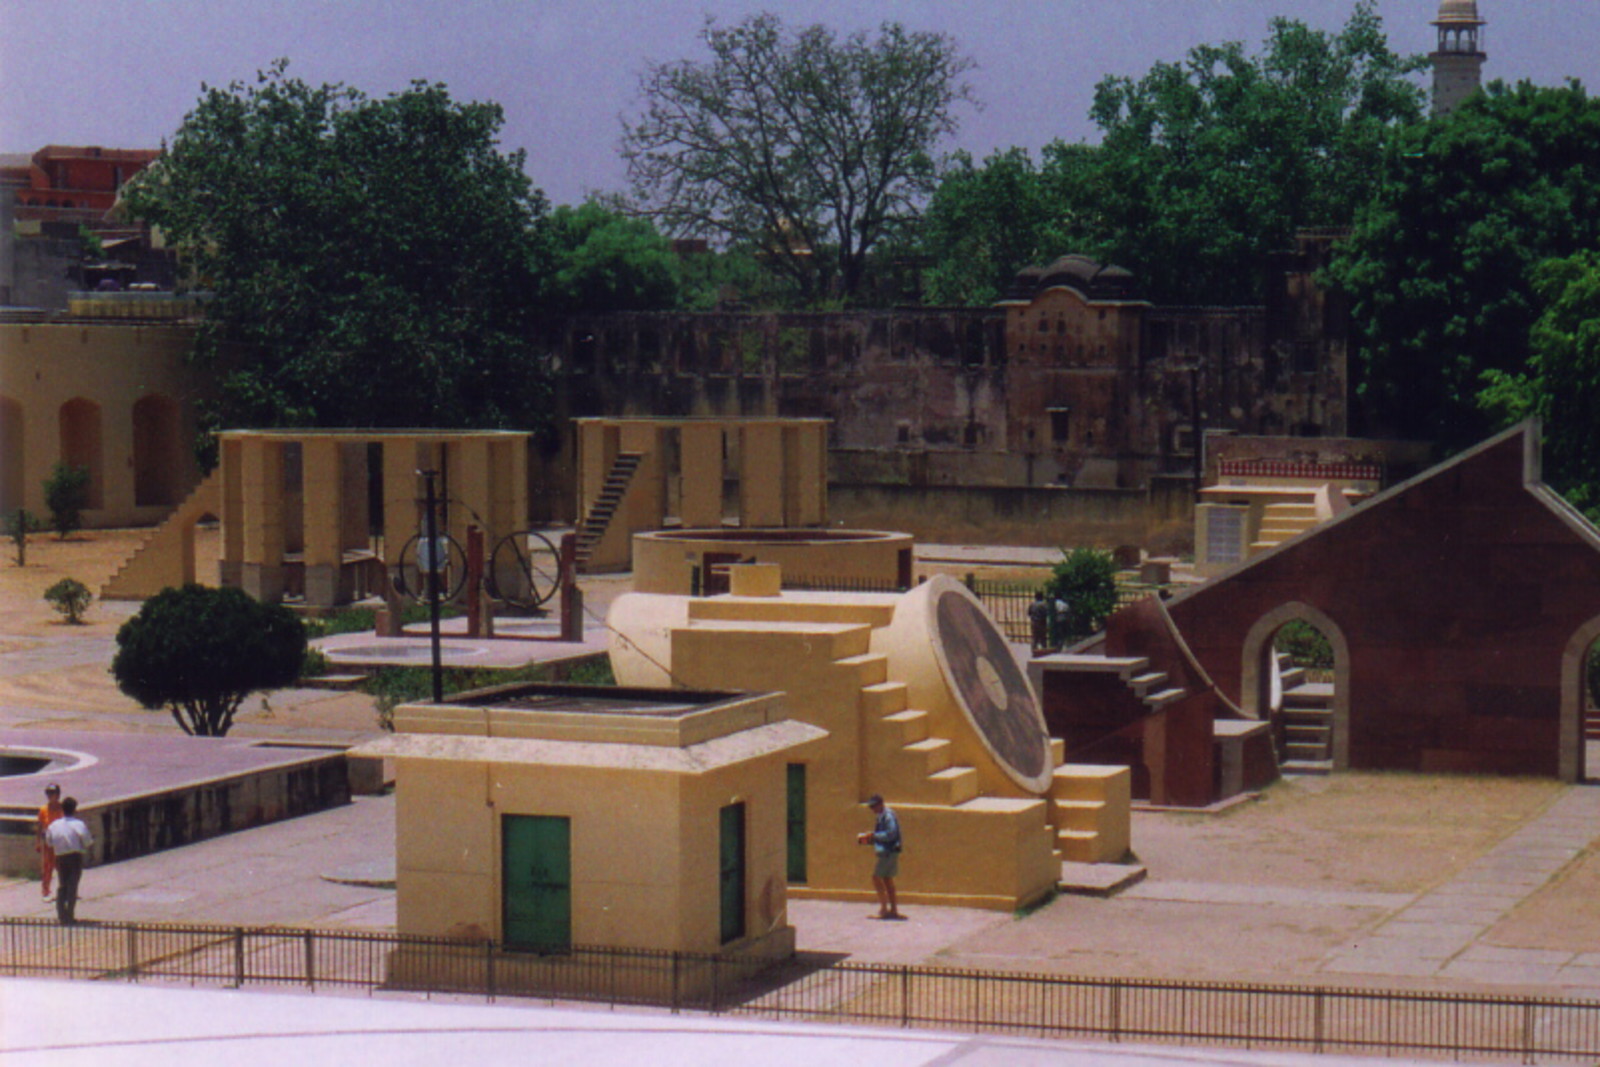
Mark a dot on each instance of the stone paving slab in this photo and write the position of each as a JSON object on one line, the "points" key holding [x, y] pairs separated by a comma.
{"points": [[1234, 893]]}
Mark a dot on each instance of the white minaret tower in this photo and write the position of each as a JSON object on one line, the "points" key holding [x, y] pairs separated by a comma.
{"points": [[1458, 61]]}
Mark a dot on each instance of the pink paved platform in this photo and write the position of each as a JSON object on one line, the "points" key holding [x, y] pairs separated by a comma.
{"points": [[141, 793]]}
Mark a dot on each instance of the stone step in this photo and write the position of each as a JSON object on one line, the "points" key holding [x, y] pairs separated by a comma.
{"points": [[1077, 846], [935, 753], [884, 698], [1143, 683], [873, 668], [1292, 677], [1158, 700], [911, 724], [1310, 695], [1297, 766], [955, 785], [1294, 751], [1307, 733], [1078, 814], [1300, 511]]}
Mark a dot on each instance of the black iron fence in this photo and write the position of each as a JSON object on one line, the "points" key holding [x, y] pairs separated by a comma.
{"points": [[823, 989]]}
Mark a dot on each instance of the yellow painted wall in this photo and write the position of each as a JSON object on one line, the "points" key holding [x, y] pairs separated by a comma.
{"points": [[663, 560], [45, 365], [644, 849]]}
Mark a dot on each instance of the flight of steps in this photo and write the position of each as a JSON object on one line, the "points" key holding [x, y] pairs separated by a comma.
{"points": [[1086, 806], [604, 508], [1280, 522], [923, 766], [1307, 725], [1151, 687]]}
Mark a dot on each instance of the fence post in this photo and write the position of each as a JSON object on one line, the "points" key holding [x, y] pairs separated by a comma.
{"points": [[133, 952], [676, 957], [716, 981], [311, 961], [1527, 1031], [905, 996], [1116, 1010], [238, 957], [1318, 1015], [488, 970]]}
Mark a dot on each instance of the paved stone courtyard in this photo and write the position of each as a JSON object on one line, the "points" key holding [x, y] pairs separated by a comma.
{"points": [[1355, 880]]}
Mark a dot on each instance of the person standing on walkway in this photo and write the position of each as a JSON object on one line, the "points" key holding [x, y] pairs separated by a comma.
{"points": [[1039, 623], [885, 841], [47, 857], [71, 840]]}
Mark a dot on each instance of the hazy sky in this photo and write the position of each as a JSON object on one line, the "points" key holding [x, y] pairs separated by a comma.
{"points": [[122, 73]]}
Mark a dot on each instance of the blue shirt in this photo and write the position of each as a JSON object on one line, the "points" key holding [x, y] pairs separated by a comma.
{"points": [[886, 832]]}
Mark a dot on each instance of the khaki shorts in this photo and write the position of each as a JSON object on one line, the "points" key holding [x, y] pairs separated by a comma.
{"points": [[888, 865]]}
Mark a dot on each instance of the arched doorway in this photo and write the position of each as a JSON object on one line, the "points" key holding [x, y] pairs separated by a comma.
{"points": [[13, 475], [1296, 674], [1580, 703], [81, 445], [157, 452]]}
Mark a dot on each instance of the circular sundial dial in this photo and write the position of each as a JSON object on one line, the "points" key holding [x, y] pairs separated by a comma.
{"points": [[990, 689]]}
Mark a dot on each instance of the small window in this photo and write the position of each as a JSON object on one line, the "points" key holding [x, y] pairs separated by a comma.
{"points": [[902, 432], [1183, 439], [1060, 424]]}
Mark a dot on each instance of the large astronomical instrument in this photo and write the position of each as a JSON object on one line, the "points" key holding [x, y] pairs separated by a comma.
{"points": [[946, 648]]}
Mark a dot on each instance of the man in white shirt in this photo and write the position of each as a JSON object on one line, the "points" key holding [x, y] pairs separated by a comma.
{"points": [[70, 839]]}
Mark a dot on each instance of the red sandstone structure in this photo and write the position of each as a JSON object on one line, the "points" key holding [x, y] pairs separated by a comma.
{"points": [[1460, 607]]}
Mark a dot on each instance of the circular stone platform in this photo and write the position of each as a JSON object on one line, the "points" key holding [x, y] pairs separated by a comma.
{"points": [[664, 560]]}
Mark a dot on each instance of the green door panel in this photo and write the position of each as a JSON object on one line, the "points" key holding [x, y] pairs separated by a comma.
{"points": [[732, 872], [536, 876]]}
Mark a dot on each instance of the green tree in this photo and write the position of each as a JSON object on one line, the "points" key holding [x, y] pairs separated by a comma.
{"points": [[1208, 165], [808, 147], [199, 652], [66, 494], [1561, 383], [984, 223], [70, 597], [372, 261], [1440, 270], [1086, 578], [603, 260]]}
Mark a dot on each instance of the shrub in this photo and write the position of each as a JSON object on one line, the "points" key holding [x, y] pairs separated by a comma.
{"points": [[66, 493], [199, 652], [1305, 645], [71, 598], [18, 523], [1086, 578]]}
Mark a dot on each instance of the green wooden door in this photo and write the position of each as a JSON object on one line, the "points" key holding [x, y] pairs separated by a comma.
{"points": [[731, 882], [536, 881], [797, 824]]}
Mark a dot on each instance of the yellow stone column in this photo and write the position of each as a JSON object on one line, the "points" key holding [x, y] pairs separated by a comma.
{"points": [[322, 479], [761, 476], [231, 563], [702, 475], [262, 474], [401, 491]]}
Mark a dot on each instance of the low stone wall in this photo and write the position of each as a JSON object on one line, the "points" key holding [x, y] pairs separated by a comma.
{"points": [[1160, 518]]}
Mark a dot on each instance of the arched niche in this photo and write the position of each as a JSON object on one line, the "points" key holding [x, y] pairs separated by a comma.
{"points": [[1255, 679], [82, 445], [158, 465], [12, 456]]}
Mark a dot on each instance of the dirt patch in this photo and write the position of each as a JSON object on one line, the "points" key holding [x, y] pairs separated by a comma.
{"points": [[1562, 914], [1354, 831]]}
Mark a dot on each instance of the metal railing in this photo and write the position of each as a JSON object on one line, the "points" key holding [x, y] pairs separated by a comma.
{"points": [[822, 989]]}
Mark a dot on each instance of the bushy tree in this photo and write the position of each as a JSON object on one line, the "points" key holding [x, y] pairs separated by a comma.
{"points": [[602, 260], [199, 652], [70, 597], [805, 146], [373, 262], [1441, 268], [66, 494], [1086, 578]]}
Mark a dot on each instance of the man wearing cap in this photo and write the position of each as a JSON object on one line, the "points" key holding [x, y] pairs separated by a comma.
{"points": [[69, 837], [885, 841], [47, 858]]}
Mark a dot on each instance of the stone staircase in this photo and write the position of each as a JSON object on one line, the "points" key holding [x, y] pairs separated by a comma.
{"points": [[1307, 726], [166, 558], [1280, 522], [899, 739], [604, 509], [1151, 687]]}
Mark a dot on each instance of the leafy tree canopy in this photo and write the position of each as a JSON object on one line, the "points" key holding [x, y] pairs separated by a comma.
{"points": [[200, 651], [1441, 268], [374, 261], [603, 260], [1205, 167], [810, 147]]}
